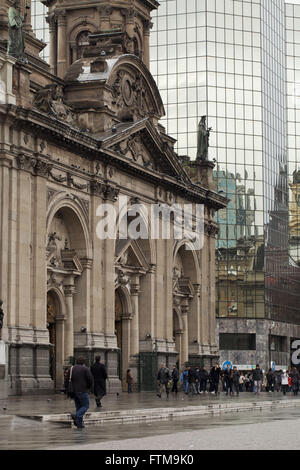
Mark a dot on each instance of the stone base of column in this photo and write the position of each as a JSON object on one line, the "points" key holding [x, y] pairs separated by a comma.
{"points": [[202, 360], [29, 369]]}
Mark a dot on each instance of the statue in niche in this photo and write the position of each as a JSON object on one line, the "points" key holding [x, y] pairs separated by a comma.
{"points": [[16, 43], [203, 140], [53, 250]]}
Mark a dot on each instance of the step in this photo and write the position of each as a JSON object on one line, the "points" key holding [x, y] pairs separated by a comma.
{"points": [[153, 414]]}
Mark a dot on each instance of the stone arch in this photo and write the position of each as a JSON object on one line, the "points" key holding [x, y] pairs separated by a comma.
{"points": [[190, 260], [77, 218], [187, 275], [77, 30]]}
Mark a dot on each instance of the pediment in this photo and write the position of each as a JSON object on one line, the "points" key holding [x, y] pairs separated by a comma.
{"points": [[141, 144], [134, 91], [129, 255]]}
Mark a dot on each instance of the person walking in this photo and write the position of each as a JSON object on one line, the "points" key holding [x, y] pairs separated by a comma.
{"points": [[82, 381], [257, 377], [192, 385], [214, 378], [99, 373], [284, 382], [185, 380], [175, 378], [270, 381], [236, 380], [129, 380], [203, 380], [241, 382], [295, 378], [163, 378], [197, 380], [228, 380]]}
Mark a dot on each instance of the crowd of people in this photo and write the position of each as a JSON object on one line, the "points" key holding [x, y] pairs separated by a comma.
{"points": [[80, 379], [197, 381]]}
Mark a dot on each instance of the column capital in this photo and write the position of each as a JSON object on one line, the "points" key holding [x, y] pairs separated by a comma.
{"points": [[61, 18], [126, 316], [69, 290]]}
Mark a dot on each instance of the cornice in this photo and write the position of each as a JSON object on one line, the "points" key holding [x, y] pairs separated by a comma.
{"points": [[88, 147]]}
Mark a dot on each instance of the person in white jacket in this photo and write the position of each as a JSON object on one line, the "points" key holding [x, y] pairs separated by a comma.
{"points": [[284, 382]]}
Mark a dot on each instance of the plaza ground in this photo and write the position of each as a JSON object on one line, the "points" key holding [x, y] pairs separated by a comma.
{"points": [[266, 429]]}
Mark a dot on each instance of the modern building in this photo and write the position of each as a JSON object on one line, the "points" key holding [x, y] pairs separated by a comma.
{"points": [[238, 62], [81, 136], [229, 60]]}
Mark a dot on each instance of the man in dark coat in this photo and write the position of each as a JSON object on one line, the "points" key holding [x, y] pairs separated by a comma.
{"points": [[214, 378], [203, 380], [82, 381], [163, 378], [99, 373], [175, 378]]}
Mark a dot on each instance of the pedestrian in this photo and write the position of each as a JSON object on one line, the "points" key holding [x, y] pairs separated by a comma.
{"points": [[236, 380], [129, 380], [270, 381], [163, 379], [228, 380], [185, 380], [241, 382], [295, 378], [175, 378], [99, 373], [214, 378], [284, 382], [257, 377], [197, 380], [192, 380], [203, 380], [82, 381]]}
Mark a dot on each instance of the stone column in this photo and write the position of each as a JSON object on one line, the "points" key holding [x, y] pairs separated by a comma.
{"points": [[134, 343], [178, 342], [69, 290], [60, 351], [185, 333], [61, 44], [146, 46], [125, 346], [52, 21]]}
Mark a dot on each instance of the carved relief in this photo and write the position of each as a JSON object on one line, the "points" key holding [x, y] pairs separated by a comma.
{"points": [[50, 100]]}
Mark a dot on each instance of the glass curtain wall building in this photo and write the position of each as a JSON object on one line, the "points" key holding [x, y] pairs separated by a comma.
{"points": [[229, 59]]}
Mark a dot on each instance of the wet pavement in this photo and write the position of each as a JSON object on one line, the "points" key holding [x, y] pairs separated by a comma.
{"points": [[22, 433]]}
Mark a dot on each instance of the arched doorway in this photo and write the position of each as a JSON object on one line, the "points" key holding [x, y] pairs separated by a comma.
{"points": [[51, 326]]}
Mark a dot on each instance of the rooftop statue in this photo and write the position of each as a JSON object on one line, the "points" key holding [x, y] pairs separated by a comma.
{"points": [[203, 140], [16, 44]]}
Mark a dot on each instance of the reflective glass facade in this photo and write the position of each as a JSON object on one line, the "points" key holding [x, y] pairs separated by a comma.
{"points": [[226, 59], [39, 25]]}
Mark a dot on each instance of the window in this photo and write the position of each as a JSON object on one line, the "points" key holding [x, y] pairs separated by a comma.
{"points": [[237, 342]]}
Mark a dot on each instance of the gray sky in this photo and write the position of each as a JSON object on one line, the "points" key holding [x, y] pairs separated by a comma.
{"points": [[293, 1]]}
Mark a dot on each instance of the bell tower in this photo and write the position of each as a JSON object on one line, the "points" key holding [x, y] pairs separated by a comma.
{"points": [[119, 26]]}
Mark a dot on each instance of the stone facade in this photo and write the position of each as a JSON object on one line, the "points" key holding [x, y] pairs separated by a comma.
{"points": [[84, 133]]}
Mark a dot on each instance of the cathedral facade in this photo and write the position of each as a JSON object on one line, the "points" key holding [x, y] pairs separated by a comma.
{"points": [[78, 135]]}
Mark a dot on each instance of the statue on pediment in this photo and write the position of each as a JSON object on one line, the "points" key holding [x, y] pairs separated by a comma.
{"points": [[203, 140], [16, 43]]}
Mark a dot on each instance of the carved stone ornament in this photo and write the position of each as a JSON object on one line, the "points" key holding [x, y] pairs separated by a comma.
{"points": [[35, 165], [104, 190], [51, 100]]}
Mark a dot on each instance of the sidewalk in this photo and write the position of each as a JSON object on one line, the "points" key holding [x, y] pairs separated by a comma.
{"points": [[141, 406]]}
